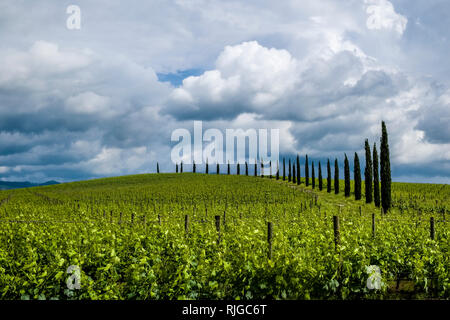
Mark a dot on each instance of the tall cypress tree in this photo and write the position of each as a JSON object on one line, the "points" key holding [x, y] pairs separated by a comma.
{"points": [[256, 168], [228, 168], [278, 171], [238, 170], [376, 181], [270, 168], [294, 177], [181, 167], [336, 176], [284, 169], [385, 167], [298, 170], [313, 175], [176, 168], [246, 168], [346, 177], [368, 173], [357, 177], [157, 167], [217, 168], [262, 168], [328, 176], [306, 171], [193, 166], [289, 176], [320, 177], [207, 167]]}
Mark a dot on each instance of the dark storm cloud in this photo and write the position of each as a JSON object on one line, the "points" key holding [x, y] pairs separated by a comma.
{"points": [[434, 120]]}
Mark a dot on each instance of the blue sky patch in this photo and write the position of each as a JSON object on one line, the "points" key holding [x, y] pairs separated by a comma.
{"points": [[176, 78]]}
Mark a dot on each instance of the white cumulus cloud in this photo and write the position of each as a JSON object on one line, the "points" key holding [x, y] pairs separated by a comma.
{"points": [[382, 15]]}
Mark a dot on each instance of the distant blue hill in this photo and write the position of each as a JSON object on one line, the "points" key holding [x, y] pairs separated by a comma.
{"points": [[6, 185]]}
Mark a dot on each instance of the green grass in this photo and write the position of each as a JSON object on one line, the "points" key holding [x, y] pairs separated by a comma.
{"points": [[127, 235]]}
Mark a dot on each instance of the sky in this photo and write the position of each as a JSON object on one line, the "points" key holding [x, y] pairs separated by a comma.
{"points": [[104, 99]]}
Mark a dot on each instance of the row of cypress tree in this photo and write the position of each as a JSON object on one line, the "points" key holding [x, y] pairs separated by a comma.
{"points": [[179, 169], [371, 175]]}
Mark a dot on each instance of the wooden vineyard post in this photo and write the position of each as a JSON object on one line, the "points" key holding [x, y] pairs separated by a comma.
{"points": [[337, 235], [120, 218], [186, 224], [432, 231], [132, 218], [159, 219], [104, 214], [360, 213], [224, 219], [111, 217], [218, 228], [373, 225], [269, 240], [337, 242], [340, 208]]}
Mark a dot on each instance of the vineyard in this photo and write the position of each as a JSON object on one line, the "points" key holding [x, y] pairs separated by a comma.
{"points": [[198, 236]]}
